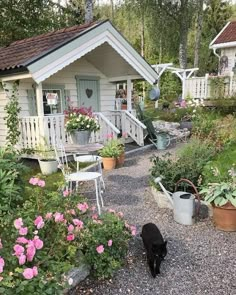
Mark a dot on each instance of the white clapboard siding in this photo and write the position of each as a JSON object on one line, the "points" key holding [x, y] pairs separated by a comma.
{"points": [[3, 127]]}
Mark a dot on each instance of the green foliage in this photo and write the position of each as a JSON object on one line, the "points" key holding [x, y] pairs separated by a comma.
{"points": [[221, 193], [189, 163], [217, 86], [222, 163], [12, 114], [112, 149], [170, 87], [11, 185]]}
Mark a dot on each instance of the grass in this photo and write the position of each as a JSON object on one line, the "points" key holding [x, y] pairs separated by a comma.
{"points": [[50, 180]]}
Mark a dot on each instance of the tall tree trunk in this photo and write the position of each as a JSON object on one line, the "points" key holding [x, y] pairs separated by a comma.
{"points": [[88, 11], [183, 25], [142, 34], [112, 10], [198, 33]]}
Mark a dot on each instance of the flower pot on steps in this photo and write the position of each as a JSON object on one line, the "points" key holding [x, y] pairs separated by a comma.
{"points": [[109, 163]]}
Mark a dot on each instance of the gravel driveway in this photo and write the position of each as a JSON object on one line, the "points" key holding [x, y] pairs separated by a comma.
{"points": [[200, 260]]}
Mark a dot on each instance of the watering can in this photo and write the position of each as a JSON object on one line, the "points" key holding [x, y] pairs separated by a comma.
{"points": [[163, 140], [183, 203]]}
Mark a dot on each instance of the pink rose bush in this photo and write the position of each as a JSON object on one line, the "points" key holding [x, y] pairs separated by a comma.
{"points": [[51, 225]]}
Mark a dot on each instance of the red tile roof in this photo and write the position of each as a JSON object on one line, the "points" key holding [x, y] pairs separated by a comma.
{"points": [[228, 34], [20, 53]]}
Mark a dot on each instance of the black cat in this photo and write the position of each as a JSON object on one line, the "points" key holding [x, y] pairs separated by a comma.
{"points": [[155, 247]]}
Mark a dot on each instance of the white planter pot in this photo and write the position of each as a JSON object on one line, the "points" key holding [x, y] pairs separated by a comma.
{"points": [[80, 137], [48, 166]]}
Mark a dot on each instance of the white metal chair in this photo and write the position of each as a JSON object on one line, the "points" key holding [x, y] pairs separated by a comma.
{"points": [[90, 159], [78, 176]]}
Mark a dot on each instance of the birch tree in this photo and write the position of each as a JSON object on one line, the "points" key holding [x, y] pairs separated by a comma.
{"points": [[88, 11]]}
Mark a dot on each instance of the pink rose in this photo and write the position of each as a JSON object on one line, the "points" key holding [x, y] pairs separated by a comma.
{"points": [[18, 223], [66, 193], [34, 180], [1, 244], [18, 250], [95, 216], [79, 224], [22, 240], [22, 259], [83, 207], [35, 271], [2, 263], [48, 215], [38, 243], [111, 211], [70, 237], [71, 228], [120, 214], [100, 249], [28, 273], [23, 231], [31, 250], [39, 223], [109, 243], [41, 183], [58, 217], [72, 211]]}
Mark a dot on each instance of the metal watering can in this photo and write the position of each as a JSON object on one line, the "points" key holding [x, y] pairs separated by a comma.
{"points": [[184, 206]]}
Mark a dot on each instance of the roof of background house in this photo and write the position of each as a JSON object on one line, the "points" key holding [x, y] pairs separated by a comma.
{"points": [[21, 53], [228, 34]]}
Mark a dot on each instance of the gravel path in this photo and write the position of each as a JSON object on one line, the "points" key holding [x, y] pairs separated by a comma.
{"points": [[200, 260]]}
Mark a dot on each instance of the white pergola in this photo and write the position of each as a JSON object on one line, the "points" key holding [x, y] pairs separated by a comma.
{"points": [[183, 74]]}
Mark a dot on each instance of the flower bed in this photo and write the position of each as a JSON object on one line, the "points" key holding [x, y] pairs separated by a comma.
{"points": [[40, 240]]}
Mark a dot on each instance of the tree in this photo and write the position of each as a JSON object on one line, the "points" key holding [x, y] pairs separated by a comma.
{"points": [[198, 32], [88, 11]]}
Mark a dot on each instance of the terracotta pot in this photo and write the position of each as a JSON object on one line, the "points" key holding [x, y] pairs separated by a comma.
{"points": [[109, 163], [224, 217], [124, 106], [120, 160]]}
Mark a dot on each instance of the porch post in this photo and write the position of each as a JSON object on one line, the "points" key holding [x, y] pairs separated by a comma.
{"points": [[39, 99], [40, 111], [129, 94]]}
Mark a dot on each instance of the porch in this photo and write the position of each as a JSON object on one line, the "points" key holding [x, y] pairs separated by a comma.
{"points": [[34, 130]]}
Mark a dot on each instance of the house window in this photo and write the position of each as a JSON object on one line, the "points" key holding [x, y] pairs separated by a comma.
{"points": [[53, 109]]}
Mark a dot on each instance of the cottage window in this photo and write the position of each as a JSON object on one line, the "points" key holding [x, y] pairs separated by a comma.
{"points": [[52, 109]]}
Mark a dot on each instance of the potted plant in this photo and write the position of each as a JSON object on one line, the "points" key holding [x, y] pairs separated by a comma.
{"points": [[80, 122], [47, 161], [124, 104], [109, 153], [222, 197]]}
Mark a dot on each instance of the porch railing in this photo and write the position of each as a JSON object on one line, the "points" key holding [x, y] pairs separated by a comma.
{"points": [[203, 87], [34, 131]]}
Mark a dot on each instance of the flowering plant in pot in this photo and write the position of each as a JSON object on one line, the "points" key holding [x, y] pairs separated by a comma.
{"points": [[110, 152], [80, 122], [222, 197]]}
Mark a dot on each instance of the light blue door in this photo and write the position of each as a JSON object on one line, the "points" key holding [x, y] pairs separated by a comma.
{"points": [[88, 93]]}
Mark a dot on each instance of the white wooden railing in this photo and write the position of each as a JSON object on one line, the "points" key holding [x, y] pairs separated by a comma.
{"points": [[107, 129], [35, 130], [128, 124], [200, 87]]}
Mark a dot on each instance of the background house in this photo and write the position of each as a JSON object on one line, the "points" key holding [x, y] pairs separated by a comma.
{"points": [[224, 47], [83, 63]]}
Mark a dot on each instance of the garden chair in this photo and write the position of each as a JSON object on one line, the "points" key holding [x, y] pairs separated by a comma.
{"points": [[78, 176], [90, 159]]}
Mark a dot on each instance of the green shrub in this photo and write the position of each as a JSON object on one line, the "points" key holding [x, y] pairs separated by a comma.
{"points": [[11, 185], [189, 163], [221, 163]]}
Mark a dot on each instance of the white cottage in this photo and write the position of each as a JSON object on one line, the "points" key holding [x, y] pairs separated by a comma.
{"points": [[83, 63], [224, 47]]}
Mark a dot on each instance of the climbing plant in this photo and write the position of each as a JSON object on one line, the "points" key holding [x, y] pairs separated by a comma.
{"points": [[217, 87], [12, 109]]}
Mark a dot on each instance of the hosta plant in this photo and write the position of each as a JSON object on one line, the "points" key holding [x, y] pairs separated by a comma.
{"points": [[221, 193]]}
